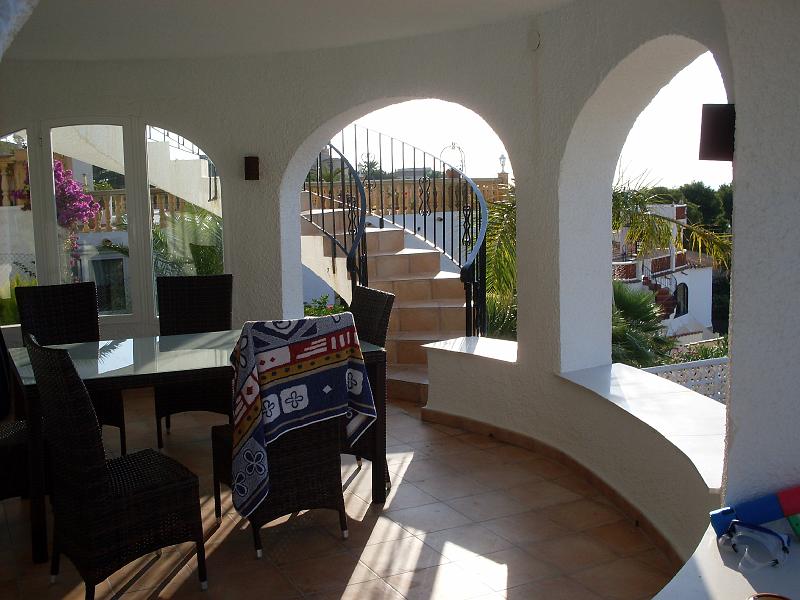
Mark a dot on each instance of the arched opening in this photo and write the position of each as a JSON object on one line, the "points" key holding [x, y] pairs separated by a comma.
{"points": [[437, 183], [681, 300], [587, 175]]}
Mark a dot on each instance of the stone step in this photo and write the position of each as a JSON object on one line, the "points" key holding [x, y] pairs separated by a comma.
{"points": [[405, 347], [389, 264], [438, 285], [427, 315], [408, 382]]}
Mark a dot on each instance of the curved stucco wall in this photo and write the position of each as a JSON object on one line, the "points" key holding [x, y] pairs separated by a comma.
{"points": [[13, 14], [529, 80]]}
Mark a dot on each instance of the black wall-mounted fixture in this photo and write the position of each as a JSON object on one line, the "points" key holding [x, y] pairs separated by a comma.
{"points": [[251, 168], [717, 132]]}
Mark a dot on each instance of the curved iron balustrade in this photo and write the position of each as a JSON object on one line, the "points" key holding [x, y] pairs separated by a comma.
{"points": [[419, 192], [337, 207]]}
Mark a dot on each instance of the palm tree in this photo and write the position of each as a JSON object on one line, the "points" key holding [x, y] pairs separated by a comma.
{"points": [[636, 330], [649, 231], [501, 266]]}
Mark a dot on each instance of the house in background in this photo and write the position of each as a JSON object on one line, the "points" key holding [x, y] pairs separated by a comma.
{"points": [[680, 280], [561, 82]]}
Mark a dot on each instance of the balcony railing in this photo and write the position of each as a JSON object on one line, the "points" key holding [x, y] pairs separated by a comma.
{"points": [[707, 377]]}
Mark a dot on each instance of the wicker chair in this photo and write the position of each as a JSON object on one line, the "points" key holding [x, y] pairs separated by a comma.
{"points": [[107, 513], [304, 473], [13, 434], [66, 314], [193, 304], [371, 310]]}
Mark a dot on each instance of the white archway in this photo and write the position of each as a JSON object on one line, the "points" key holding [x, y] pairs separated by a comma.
{"points": [[585, 181]]}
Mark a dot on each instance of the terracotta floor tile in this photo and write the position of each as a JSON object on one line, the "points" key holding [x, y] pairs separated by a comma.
{"points": [[622, 537], [417, 432], [448, 445], [447, 429], [541, 493], [442, 582], [372, 529], [577, 484], [428, 518], [399, 556], [525, 527], [449, 487], [376, 589], [421, 470], [623, 579], [480, 441], [507, 568], [501, 476], [507, 453], [288, 547], [489, 505], [332, 573], [547, 469], [406, 495], [558, 588], [658, 560], [570, 553], [467, 541], [582, 514]]}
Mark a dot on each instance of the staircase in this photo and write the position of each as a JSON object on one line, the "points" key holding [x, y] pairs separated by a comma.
{"points": [[664, 296], [421, 239]]}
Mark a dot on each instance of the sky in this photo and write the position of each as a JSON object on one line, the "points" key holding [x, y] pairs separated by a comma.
{"points": [[662, 146]]}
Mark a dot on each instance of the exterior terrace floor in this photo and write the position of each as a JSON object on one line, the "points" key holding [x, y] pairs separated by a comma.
{"points": [[467, 517]]}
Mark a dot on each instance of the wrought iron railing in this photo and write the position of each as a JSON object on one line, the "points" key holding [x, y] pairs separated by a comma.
{"points": [[335, 203], [664, 280], [412, 189]]}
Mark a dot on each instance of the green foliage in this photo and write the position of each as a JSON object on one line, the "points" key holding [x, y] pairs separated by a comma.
{"points": [[371, 168], [706, 199], [719, 349], [319, 307], [9, 313], [501, 267], [630, 200], [725, 195], [636, 331]]}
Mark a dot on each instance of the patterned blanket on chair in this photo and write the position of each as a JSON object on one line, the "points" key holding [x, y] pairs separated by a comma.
{"points": [[290, 374]]}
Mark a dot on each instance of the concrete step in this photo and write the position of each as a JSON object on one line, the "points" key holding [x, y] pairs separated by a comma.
{"points": [[408, 382], [437, 285], [390, 264], [427, 315], [405, 347]]}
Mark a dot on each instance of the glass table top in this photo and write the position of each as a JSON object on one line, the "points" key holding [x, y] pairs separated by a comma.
{"points": [[147, 356]]}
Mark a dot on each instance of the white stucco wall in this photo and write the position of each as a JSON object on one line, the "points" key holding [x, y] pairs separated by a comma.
{"points": [[563, 128], [763, 441]]}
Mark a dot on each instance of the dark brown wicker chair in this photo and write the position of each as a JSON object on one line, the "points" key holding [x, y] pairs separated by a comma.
{"points": [[107, 513], [193, 304], [371, 310], [13, 434], [67, 314], [304, 473]]}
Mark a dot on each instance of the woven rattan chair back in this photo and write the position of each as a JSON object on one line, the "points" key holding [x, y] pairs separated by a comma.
{"points": [[194, 304], [9, 384], [371, 310], [81, 481], [59, 314]]}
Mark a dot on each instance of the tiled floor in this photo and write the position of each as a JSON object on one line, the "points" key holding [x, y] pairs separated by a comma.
{"points": [[467, 517]]}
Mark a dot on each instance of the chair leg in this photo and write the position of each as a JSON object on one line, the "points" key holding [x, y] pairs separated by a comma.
{"points": [[217, 497], [358, 461], [257, 540], [55, 561], [343, 521], [168, 422], [123, 443], [159, 434], [201, 563], [89, 591]]}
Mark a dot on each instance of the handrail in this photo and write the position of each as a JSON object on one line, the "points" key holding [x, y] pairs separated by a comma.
{"points": [[347, 224], [430, 198]]}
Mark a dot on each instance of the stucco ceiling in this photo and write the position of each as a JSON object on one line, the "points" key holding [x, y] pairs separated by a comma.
{"points": [[143, 29]]}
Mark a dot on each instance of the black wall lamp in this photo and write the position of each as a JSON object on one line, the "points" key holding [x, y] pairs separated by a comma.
{"points": [[717, 131], [251, 168]]}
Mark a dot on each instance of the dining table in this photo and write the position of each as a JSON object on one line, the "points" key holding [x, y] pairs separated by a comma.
{"points": [[149, 361]]}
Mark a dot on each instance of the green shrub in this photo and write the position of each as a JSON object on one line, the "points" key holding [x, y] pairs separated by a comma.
{"points": [[319, 307]]}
